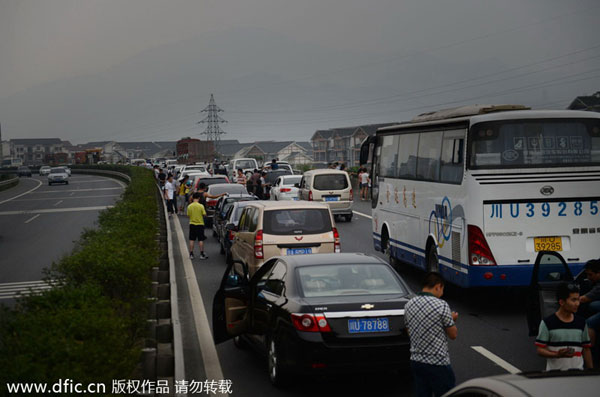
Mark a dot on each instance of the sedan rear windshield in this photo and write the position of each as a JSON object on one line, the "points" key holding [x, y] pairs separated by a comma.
{"points": [[245, 164], [57, 171], [212, 181], [331, 182], [346, 280], [535, 143], [296, 221], [230, 188]]}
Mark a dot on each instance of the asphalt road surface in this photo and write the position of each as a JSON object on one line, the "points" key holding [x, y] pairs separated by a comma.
{"points": [[492, 331], [39, 224]]}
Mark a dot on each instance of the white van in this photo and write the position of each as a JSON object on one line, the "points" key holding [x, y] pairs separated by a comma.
{"points": [[333, 187], [248, 165]]}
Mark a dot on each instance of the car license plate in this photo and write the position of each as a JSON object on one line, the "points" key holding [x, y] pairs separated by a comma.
{"points": [[332, 198], [361, 325], [295, 198], [547, 243], [299, 251]]}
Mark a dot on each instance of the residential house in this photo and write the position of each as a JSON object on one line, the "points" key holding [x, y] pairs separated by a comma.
{"points": [[342, 144], [590, 103], [34, 151], [265, 151]]}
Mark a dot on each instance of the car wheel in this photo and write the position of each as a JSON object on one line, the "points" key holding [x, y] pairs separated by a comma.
{"points": [[349, 218], [433, 262], [277, 371], [49, 183]]}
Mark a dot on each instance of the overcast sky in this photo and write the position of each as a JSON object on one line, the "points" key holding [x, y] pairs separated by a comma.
{"points": [[133, 70]]}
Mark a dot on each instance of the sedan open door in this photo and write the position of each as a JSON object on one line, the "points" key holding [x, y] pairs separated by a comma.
{"points": [[549, 271], [230, 306]]}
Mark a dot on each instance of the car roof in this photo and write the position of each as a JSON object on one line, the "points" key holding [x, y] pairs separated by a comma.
{"points": [[325, 171], [276, 205], [331, 259], [224, 185]]}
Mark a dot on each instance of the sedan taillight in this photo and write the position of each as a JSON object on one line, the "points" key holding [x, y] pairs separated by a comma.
{"points": [[258, 245], [337, 248], [285, 190], [310, 322]]}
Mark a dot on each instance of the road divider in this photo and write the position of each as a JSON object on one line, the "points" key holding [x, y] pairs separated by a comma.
{"points": [[52, 210], [23, 194]]}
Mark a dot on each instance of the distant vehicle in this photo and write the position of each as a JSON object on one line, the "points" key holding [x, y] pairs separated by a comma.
{"points": [[138, 162], [23, 171], [171, 163], [226, 229], [317, 314], [8, 163], [58, 175], [271, 177], [475, 192], [221, 209], [530, 384], [67, 169], [332, 187], [248, 165], [44, 170], [207, 179], [284, 187]]}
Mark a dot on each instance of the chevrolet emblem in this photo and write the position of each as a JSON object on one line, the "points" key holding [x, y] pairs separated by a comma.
{"points": [[367, 306]]}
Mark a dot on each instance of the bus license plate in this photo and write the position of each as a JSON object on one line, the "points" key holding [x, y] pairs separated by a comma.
{"points": [[547, 243], [332, 198], [362, 325], [299, 251]]}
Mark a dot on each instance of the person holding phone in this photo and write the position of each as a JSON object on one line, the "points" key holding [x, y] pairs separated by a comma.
{"points": [[563, 338]]}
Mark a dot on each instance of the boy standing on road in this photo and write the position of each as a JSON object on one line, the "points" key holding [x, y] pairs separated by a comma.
{"points": [[563, 338], [196, 212], [429, 323]]}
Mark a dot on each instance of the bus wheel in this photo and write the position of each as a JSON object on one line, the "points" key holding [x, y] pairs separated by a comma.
{"points": [[433, 262]]}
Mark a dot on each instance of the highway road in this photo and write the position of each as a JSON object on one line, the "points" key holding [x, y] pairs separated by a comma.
{"points": [[39, 224], [492, 329]]}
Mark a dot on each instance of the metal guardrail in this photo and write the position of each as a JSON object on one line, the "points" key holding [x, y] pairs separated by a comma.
{"points": [[9, 181], [119, 175]]}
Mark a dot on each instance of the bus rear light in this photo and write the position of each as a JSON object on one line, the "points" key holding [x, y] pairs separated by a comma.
{"points": [[488, 275], [480, 253]]}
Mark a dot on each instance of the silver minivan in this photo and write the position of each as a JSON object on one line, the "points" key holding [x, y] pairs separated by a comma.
{"points": [[333, 187]]}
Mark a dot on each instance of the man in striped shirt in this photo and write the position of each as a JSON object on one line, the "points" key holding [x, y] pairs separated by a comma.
{"points": [[563, 338], [240, 177]]}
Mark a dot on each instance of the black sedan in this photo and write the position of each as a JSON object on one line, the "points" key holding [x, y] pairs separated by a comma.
{"points": [[229, 227], [316, 313], [23, 171], [221, 208]]}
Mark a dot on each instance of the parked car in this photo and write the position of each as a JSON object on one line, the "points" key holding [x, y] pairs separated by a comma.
{"points": [[284, 188], [270, 179], [67, 169], [330, 186], [58, 175], [221, 208], [248, 165], [316, 313], [228, 227], [272, 228], [281, 165], [23, 171], [529, 384], [44, 170], [217, 189], [208, 180]]}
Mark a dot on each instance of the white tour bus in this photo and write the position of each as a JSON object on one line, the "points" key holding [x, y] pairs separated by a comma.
{"points": [[476, 192]]}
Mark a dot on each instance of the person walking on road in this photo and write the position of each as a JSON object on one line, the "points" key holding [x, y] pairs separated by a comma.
{"points": [[563, 338], [363, 179], [196, 212], [430, 323], [170, 195], [181, 192]]}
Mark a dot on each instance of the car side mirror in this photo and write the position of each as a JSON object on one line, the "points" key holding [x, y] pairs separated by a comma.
{"points": [[297, 185]]}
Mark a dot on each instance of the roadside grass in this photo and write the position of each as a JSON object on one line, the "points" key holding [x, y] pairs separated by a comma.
{"points": [[91, 328]]}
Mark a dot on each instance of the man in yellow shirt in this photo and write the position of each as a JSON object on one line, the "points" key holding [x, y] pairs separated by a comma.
{"points": [[196, 212]]}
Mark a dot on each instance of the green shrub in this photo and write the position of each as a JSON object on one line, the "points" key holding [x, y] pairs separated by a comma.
{"points": [[91, 328]]}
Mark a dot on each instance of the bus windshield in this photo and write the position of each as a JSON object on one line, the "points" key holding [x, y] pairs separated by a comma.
{"points": [[534, 143]]}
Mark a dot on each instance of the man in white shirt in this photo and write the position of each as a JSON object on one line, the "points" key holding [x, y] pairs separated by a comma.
{"points": [[170, 195]]}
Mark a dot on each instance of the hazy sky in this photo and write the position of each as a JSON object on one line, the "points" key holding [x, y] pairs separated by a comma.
{"points": [[132, 70]]}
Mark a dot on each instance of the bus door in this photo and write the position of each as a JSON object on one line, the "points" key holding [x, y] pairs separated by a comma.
{"points": [[549, 271]]}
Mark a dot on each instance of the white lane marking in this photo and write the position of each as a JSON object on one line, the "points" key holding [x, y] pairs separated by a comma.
{"points": [[92, 180], [212, 365], [23, 194], [57, 203], [45, 211], [76, 198], [361, 214], [27, 283], [496, 360], [30, 219], [79, 190]]}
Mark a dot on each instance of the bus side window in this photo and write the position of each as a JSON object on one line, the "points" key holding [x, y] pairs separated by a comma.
{"points": [[451, 170]]}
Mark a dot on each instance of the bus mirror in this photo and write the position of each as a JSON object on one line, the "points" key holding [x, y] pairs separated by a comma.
{"points": [[365, 149]]}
